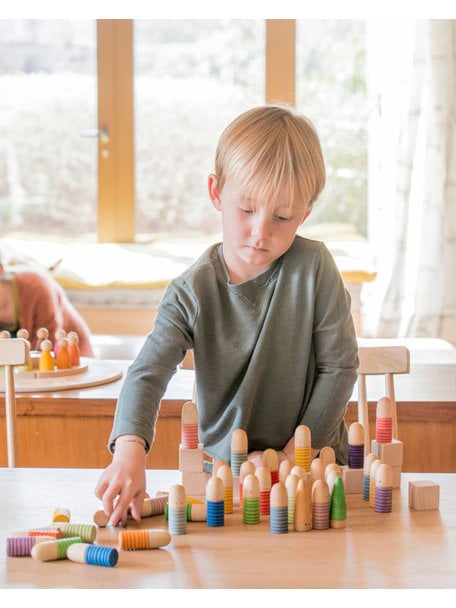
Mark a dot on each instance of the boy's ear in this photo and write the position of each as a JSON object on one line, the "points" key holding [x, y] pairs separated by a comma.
{"points": [[214, 193], [306, 215]]}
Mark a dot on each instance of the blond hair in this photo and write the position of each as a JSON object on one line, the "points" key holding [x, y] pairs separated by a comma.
{"points": [[269, 150]]}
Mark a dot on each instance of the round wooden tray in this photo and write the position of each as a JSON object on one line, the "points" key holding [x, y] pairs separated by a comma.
{"points": [[91, 372]]}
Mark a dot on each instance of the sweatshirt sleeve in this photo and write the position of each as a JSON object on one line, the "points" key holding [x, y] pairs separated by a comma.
{"points": [[148, 376], [336, 356]]}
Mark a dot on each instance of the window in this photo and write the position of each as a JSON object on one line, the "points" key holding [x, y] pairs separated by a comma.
{"points": [[191, 79], [331, 91], [184, 80], [48, 102]]}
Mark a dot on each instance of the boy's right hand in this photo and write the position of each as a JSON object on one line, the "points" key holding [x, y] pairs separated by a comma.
{"points": [[123, 483]]}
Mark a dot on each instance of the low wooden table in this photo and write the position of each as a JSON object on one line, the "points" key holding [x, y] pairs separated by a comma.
{"points": [[71, 428], [402, 549]]}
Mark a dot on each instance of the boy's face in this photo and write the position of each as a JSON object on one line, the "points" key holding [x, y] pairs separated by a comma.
{"points": [[252, 238]]}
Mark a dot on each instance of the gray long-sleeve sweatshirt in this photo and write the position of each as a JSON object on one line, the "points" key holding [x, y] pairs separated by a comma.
{"points": [[270, 354]]}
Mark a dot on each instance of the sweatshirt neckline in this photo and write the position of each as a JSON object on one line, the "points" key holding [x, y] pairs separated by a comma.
{"points": [[257, 282]]}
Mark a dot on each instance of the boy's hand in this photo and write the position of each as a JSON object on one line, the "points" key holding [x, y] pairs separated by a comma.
{"points": [[125, 480]]}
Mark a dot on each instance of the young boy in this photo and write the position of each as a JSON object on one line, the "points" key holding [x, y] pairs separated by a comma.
{"points": [[265, 312]]}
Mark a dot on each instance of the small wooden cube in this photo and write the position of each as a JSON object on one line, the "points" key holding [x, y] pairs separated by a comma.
{"points": [[390, 453], [191, 459], [423, 495], [195, 483], [353, 480]]}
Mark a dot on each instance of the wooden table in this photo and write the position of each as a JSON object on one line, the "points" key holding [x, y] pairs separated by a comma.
{"points": [[402, 549], [71, 428]]}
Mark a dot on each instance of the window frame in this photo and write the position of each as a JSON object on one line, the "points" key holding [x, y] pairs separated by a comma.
{"points": [[116, 146]]}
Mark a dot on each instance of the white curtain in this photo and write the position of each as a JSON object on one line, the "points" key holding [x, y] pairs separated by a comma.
{"points": [[412, 179]]}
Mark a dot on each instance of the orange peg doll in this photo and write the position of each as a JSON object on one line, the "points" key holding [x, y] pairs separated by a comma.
{"points": [[73, 348], [59, 334], [62, 358]]}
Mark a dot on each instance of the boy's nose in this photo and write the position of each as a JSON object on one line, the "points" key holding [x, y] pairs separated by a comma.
{"points": [[261, 226]]}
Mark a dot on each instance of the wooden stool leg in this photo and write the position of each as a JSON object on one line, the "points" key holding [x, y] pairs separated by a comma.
{"points": [[389, 381], [10, 413], [13, 351], [363, 411]]}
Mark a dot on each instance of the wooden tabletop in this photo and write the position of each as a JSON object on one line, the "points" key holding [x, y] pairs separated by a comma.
{"points": [[99, 399], [427, 382], [432, 380], [402, 549]]}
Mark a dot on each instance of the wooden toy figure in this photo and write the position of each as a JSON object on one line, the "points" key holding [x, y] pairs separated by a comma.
{"points": [[62, 359], [327, 454], [384, 421], [189, 426], [86, 532], [299, 471], [239, 450], [383, 501], [320, 505], [143, 539], [46, 362], [24, 334], [303, 509], [42, 334], [317, 470], [251, 500], [73, 348], [177, 510], [291, 484], [247, 468], [356, 446], [226, 475], [53, 549], [218, 464], [215, 502], [264, 478], [303, 447], [96, 555], [373, 471], [338, 506], [332, 471], [271, 461], [278, 521], [366, 474], [285, 469], [59, 334]]}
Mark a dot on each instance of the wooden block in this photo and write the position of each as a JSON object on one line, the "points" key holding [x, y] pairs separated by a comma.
{"points": [[195, 483], [423, 495], [391, 453], [353, 480], [191, 460]]}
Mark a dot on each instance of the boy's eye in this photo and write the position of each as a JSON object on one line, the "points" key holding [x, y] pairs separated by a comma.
{"points": [[282, 218], [245, 210]]}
